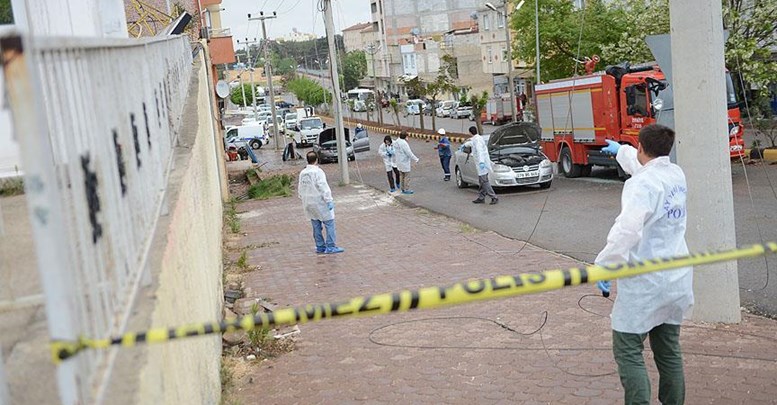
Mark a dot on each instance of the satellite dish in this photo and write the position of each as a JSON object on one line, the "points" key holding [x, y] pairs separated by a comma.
{"points": [[222, 89], [474, 15], [415, 31]]}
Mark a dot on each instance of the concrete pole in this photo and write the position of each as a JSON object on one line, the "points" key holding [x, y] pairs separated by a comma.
{"points": [[243, 90], [510, 82], [342, 156], [268, 73], [703, 153]]}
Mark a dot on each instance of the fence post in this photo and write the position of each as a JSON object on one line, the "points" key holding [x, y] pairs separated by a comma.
{"points": [[44, 202]]}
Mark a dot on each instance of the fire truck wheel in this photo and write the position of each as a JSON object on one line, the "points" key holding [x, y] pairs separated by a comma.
{"points": [[567, 166]]}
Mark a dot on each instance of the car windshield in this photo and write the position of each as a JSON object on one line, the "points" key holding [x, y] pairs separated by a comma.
{"points": [[447, 104], [310, 124], [291, 117]]}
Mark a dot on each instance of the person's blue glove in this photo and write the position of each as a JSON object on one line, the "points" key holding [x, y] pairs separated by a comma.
{"points": [[330, 205], [611, 148], [604, 286], [482, 165]]}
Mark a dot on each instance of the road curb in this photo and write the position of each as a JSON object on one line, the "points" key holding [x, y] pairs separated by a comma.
{"points": [[455, 138], [769, 155]]}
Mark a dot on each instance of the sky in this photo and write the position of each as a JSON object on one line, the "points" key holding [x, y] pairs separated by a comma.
{"points": [[300, 14]]}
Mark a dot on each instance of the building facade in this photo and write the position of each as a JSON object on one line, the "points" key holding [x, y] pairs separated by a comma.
{"points": [[494, 56], [354, 37]]}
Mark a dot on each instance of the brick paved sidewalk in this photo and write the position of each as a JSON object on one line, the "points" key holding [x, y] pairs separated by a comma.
{"points": [[459, 354]]}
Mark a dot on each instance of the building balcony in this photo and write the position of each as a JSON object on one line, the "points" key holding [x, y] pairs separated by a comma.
{"points": [[220, 32]]}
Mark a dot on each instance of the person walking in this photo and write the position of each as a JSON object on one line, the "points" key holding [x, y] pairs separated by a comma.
{"points": [[444, 150], [483, 161], [387, 152], [404, 157], [318, 205], [651, 224]]}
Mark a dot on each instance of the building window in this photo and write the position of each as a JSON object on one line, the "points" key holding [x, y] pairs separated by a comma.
{"points": [[500, 19], [486, 21], [504, 54], [374, 8], [490, 53]]}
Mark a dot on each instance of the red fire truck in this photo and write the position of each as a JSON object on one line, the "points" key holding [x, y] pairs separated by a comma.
{"points": [[578, 114]]}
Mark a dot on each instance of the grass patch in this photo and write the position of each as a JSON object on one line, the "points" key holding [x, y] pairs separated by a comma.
{"points": [[275, 186], [230, 216], [259, 337], [12, 186], [467, 228], [242, 261]]}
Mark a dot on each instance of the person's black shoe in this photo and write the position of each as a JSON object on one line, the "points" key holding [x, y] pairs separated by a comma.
{"points": [[478, 201], [494, 201]]}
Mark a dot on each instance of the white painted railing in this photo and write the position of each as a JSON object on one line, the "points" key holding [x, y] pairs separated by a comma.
{"points": [[98, 121]]}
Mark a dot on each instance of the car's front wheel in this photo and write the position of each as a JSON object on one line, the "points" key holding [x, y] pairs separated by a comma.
{"points": [[460, 183], [256, 144]]}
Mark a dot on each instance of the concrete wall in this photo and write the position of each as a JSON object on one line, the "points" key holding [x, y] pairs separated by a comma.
{"points": [[186, 266]]}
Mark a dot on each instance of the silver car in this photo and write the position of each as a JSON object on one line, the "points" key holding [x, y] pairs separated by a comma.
{"points": [[515, 155]]}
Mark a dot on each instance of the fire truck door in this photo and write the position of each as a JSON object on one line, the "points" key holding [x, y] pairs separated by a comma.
{"points": [[637, 113]]}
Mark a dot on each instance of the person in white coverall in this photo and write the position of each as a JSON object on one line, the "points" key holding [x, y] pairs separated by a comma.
{"points": [[318, 205], [387, 152], [403, 158], [483, 161], [651, 225]]}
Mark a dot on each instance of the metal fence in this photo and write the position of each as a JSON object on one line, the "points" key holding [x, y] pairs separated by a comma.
{"points": [[98, 121]]}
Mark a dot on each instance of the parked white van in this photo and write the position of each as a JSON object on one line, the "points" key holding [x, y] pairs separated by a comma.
{"points": [[252, 135]]}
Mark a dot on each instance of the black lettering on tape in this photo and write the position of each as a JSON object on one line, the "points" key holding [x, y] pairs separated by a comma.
{"points": [[141, 337], [518, 281], [535, 278], [495, 286], [270, 318], [583, 275], [365, 307], [479, 286], [443, 292], [414, 299], [336, 309], [567, 277], [395, 301]]}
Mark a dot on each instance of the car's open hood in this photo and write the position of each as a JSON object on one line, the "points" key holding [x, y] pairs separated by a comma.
{"points": [[518, 133], [329, 135]]}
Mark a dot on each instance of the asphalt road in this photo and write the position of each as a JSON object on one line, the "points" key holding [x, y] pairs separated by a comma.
{"points": [[574, 216]]}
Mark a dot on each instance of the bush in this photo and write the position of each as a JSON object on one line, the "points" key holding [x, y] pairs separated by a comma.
{"points": [[275, 186], [12, 186]]}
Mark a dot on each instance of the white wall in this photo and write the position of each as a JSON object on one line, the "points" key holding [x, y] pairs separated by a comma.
{"points": [[9, 149]]}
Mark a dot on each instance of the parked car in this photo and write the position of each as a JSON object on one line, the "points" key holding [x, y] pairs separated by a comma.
{"points": [[515, 155], [326, 147], [462, 112], [290, 121], [268, 125], [252, 135], [361, 140], [446, 108], [415, 106]]}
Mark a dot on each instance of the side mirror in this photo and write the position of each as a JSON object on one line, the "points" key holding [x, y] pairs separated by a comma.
{"points": [[466, 149], [324, 125]]}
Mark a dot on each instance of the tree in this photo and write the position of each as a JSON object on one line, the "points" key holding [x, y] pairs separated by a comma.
{"points": [[6, 13], [752, 36], [354, 69], [442, 84], [236, 96], [562, 40], [309, 91], [417, 89], [478, 104], [641, 18], [283, 66]]}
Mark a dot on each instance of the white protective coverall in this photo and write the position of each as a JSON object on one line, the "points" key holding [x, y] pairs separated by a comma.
{"points": [[651, 225], [403, 155], [315, 193], [480, 153], [388, 161]]}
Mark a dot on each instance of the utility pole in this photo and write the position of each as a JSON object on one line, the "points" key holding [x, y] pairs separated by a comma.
{"points": [[342, 156], [268, 73], [510, 84], [372, 49], [248, 44], [242, 89], [698, 78]]}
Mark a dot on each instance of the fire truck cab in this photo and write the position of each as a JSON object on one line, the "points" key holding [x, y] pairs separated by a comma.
{"points": [[577, 115]]}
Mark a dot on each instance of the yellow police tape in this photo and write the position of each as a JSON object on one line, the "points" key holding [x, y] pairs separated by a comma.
{"points": [[427, 297]]}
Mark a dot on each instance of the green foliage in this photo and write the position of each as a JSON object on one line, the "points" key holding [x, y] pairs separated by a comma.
{"points": [[561, 38], [354, 69], [309, 91], [283, 66], [275, 186], [640, 18], [478, 104], [6, 12], [11, 186], [258, 337], [236, 96], [242, 261], [230, 217], [752, 35], [394, 106]]}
